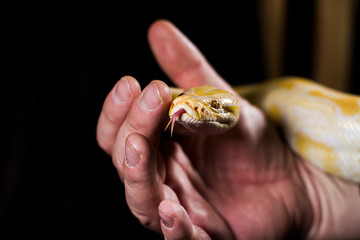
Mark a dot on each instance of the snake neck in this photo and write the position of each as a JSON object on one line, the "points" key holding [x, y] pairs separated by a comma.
{"points": [[269, 94]]}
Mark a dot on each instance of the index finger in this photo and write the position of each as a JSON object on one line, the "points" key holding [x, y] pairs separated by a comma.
{"points": [[180, 59]]}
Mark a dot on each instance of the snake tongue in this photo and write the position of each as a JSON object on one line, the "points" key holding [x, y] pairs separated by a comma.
{"points": [[173, 120]]}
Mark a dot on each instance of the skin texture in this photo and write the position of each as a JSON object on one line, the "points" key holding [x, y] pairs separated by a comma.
{"points": [[304, 118], [242, 184]]}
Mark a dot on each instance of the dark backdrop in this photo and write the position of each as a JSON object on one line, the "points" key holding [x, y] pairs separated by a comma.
{"points": [[58, 62]]}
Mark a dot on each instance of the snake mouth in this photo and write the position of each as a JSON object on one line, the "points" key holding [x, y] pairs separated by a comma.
{"points": [[173, 120]]}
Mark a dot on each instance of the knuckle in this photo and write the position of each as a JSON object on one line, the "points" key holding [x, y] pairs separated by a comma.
{"points": [[148, 222], [134, 125], [104, 144], [117, 159], [142, 184], [112, 118], [132, 182], [200, 215]]}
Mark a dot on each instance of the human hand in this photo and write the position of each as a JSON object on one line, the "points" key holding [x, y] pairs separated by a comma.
{"points": [[244, 183]]}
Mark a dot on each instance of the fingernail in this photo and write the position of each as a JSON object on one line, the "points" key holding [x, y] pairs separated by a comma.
{"points": [[132, 157], [122, 91], [150, 98], [166, 219]]}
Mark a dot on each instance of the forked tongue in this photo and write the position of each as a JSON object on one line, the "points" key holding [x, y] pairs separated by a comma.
{"points": [[173, 120]]}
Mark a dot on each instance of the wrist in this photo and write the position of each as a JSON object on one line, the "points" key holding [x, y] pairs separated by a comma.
{"points": [[335, 204]]}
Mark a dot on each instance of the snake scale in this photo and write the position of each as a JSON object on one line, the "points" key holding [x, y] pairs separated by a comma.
{"points": [[320, 124]]}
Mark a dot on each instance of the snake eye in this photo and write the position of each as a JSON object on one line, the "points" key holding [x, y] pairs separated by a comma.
{"points": [[215, 104]]}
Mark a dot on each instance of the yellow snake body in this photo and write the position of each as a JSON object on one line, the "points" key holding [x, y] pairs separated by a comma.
{"points": [[321, 125]]}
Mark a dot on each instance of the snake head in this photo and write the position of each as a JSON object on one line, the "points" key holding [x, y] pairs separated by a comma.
{"points": [[204, 109]]}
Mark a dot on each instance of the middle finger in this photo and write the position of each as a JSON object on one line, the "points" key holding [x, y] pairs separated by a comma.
{"points": [[145, 117]]}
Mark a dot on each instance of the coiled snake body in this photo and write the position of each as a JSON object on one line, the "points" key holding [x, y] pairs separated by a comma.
{"points": [[321, 125]]}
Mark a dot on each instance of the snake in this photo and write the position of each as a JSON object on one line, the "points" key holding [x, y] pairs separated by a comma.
{"points": [[319, 124]]}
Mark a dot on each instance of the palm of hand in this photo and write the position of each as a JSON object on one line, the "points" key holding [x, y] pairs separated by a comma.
{"points": [[244, 183], [254, 181]]}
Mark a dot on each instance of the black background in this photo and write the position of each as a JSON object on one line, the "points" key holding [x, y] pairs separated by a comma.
{"points": [[59, 61]]}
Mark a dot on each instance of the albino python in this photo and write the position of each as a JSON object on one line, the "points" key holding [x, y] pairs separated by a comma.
{"points": [[321, 125]]}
